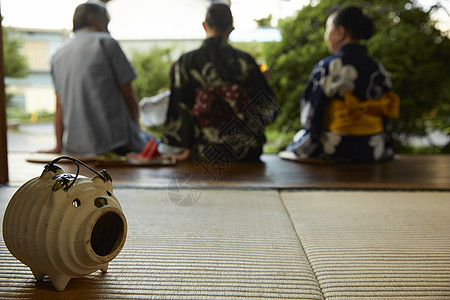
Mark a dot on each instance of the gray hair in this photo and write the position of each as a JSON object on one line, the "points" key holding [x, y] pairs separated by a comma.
{"points": [[83, 11]]}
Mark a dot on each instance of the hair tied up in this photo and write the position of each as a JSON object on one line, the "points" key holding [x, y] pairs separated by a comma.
{"points": [[352, 19], [366, 27]]}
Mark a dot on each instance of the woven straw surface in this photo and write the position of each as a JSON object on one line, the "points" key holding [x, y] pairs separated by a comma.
{"points": [[226, 244], [375, 244], [200, 243]]}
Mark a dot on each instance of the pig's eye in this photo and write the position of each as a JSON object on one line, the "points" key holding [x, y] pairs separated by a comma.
{"points": [[108, 193], [100, 201], [76, 202]]}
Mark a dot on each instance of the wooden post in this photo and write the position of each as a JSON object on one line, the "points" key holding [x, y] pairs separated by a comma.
{"points": [[3, 127]]}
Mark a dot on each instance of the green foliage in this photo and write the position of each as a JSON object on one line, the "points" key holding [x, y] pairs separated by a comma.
{"points": [[276, 140], [153, 69], [418, 56], [16, 64], [406, 42], [414, 149], [255, 49], [155, 130], [19, 115], [292, 59]]}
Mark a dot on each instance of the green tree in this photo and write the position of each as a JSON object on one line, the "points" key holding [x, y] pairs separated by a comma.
{"points": [[153, 69], [16, 64], [406, 42], [255, 49]]}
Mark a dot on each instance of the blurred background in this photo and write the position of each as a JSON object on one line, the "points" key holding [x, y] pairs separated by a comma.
{"points": [[412, 40]]}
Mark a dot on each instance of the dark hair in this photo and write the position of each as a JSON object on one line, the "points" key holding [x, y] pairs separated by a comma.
{"points": [[352, 19], [83, 11], [219, 17]]}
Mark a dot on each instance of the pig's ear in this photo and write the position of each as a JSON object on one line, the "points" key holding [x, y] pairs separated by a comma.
{"points": [[103, 179], [50, 170]]}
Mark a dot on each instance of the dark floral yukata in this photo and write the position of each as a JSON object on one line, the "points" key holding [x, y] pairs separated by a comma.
{"points": [[344, 109], [228, 130]]}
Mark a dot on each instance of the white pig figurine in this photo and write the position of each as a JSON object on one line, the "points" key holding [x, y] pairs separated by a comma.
{"points": [[64, 226]]}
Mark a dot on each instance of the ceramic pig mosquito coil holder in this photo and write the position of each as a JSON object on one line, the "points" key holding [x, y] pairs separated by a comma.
{"points": [[64, 225]]}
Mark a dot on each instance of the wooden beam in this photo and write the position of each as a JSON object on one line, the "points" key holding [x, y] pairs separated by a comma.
{"points": [[3, 127]]}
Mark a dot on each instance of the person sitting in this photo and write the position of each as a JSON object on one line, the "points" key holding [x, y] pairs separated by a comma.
{"points": [[219, 101], [96, 107], [348, 98]]}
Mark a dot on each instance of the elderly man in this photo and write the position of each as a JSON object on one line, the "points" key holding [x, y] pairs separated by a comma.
{"points": [[96, 108]]}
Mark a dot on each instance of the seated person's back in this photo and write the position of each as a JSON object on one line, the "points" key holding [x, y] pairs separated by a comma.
{"points": [[347, 100], [215, 94], [96, 107]]}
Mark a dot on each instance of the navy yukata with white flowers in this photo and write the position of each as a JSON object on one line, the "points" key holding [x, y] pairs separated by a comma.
{"points": [[349, 71]]}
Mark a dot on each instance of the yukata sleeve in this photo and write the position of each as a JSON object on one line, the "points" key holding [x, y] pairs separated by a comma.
{"points": [[180, 127], [380, 84], [312, 106], [313, 103]]}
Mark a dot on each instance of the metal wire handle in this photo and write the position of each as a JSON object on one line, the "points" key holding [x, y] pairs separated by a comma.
{"points": [[77, 163]]}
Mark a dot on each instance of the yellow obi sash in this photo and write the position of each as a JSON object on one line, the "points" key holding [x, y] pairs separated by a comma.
{"points": [[352, 116]]}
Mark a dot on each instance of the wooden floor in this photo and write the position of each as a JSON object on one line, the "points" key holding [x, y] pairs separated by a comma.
{"points": [[409, 172]]}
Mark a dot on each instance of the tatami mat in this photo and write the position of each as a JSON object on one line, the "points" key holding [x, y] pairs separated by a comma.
{"points": [[226, 244], [213, 243], [380, 245]]}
